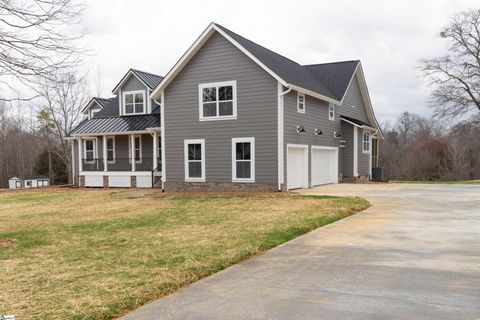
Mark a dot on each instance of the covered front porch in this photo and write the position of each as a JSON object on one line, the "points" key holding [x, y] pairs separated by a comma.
{"points": [[118, 159]]}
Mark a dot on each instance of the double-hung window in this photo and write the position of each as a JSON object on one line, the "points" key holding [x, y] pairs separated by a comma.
{"points": [[137, 148], [301, 103], [110, 149], [366, 142], [243, 159], [218, 101], [134, 102], [89, 150], [195, 160], [331, 112]]}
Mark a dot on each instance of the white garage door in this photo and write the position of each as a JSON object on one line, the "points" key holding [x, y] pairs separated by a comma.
{"points": [[297, 167], [324, 165]]}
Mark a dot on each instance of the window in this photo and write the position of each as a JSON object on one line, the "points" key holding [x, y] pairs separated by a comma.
{"points": [[134, 102], [243, 159], [18, 184], [111, 149], [89, 153], [29, 183], [331, 112], [301, 103], [137, 148], [218, 101], [195, 160], [366, 142]]}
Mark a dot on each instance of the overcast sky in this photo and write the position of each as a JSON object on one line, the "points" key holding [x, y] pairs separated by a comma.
{"points": [[389, 37]]}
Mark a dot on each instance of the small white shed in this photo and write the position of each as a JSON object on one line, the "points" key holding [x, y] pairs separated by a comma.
{"points": [[28, 182]]}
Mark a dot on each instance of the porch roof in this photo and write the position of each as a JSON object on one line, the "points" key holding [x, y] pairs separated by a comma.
{"points": [[102, 125]]}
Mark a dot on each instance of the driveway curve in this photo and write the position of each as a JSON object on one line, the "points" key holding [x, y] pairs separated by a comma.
{"points": [[415, 254]]}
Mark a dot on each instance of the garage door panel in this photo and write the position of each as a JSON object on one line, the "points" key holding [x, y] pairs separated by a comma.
{"points": [[324, 166], [297, 167]]}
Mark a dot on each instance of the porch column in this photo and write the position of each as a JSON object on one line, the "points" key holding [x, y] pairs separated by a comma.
{"points": [[132, 151], [105, 162], [155, 150], [80, 163]]}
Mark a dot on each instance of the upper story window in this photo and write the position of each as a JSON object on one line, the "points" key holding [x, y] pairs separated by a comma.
{"points": [[218, 101], [301, 103], [366, 142], [331, 112], [134, 102]]}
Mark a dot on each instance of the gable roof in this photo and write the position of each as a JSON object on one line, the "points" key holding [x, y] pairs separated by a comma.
{"points": [[336, 76], [328, 81], [148, 79], [102, 102], [110, 109]]}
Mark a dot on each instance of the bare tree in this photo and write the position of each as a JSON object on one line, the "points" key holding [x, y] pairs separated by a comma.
{"points": [[35, 44], [455, 77], [59, 112]]}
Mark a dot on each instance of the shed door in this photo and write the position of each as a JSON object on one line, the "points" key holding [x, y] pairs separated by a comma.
{"points": [[324, 166], [297, 168]]}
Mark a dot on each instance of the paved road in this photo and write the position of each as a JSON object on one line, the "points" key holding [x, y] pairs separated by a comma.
{"points": [[415, 254]]}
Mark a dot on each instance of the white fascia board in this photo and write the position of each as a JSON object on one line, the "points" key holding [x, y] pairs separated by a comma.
{"points": [[313, 94], [94, 134], [90, 104], [125, 78]]}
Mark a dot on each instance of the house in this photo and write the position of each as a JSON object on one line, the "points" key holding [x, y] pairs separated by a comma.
{"points": [[230, 115], [28, 182]]}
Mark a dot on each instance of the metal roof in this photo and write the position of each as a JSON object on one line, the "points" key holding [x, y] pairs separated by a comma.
{"points": [[117, 124], [109, 110], [150, 79]]}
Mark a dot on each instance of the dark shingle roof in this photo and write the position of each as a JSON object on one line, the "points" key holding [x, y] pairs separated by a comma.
{"points": [[356, 121], [322, 80], [335, 76], [150, 79], [118, 124]]}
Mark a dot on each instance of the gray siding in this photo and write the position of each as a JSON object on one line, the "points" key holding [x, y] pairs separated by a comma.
{"points": [[353, 105], [133, 84], [363, 158], [316, 116], [218, 60], [347, 151]]}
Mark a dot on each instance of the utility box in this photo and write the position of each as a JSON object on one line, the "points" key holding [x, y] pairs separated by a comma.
{"points": [[377, 174]]}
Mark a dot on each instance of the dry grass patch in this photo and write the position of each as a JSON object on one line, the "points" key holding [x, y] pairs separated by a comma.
{"points": [[89, 254]]}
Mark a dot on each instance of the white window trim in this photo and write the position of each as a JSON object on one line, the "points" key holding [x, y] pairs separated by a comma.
{"points": [[185, 146], [114, 151], [252, 160], [85, 149], [130, 148], [331, 107], [123, 102], [298, 103], [369, 142], [232, 83]]}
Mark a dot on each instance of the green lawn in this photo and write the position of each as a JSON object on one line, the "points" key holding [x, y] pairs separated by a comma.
{"points": [[437, 182], [96, 254]]}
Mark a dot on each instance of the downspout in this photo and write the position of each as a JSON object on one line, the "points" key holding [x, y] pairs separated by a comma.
{"points": [[281, 133], [162, 132]]}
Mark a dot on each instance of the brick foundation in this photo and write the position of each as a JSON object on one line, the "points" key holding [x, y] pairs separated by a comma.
{"points": [[81, 181], [105, 181], [133, 181], [173, 186]]}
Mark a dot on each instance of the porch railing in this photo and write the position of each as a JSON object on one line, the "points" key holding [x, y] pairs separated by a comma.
{"points": [[122, 164]]}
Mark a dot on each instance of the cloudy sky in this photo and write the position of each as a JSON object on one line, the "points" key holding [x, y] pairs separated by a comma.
{"points": [[389, 37]]}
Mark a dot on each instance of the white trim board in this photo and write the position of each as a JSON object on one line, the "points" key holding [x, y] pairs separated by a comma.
{"points": [[125, 78]]}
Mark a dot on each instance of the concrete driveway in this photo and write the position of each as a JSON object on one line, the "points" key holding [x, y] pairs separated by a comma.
{"points": [[415, 254]]}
